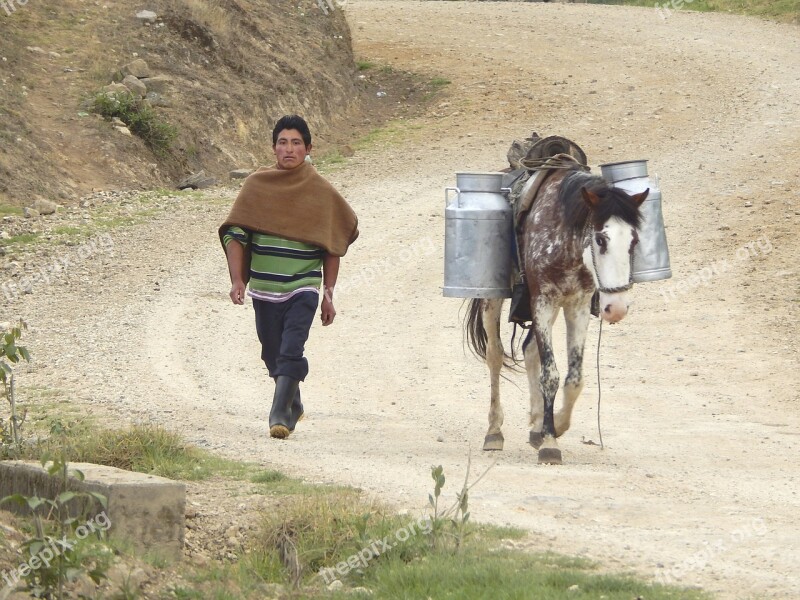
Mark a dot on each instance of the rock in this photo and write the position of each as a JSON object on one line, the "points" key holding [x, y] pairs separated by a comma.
{"points": [[34, 49], [157, 100], [335, 585], [4, 235], [346, 151], [84, 587], [363, 591], [136, 87], [147, 16], [196, 181], [45, 207], [138, 68], [115, 89], [159, 83], [121, 575], [574, 588], [240, 173], [30, 213]]}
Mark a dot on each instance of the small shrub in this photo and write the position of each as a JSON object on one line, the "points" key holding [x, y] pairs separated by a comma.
{"points": [[60, 548], [140, 118]]}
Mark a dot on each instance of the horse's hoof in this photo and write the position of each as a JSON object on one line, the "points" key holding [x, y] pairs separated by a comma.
{"points": [[549, 456], [535, 439], [280, 432], [493, 441]]}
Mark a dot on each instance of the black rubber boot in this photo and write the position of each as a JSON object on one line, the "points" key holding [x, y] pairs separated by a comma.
{"points": [[281, 422], [297, 410]]}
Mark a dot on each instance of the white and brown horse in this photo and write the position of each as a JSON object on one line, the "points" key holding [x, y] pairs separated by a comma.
{"points": [[578, 237]]}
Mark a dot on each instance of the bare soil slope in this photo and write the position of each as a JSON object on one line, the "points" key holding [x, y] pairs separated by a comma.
{"points": [[234, 67], [698, 481]]}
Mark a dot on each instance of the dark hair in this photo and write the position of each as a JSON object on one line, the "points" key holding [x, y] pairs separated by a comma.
{"points": [[292, 122]]}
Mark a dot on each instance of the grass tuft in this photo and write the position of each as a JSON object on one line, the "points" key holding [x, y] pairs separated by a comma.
{"points": [[140, 118], [143, 448]]}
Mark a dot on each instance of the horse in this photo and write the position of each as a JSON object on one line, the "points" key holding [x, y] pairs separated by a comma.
{"points": [[577, 238]]}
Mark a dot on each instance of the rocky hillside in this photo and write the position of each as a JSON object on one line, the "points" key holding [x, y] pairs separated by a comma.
{"points": [[220, 73]]}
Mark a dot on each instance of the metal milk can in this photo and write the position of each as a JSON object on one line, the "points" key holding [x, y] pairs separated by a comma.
{"points": [[478, 237], [651, 254]]}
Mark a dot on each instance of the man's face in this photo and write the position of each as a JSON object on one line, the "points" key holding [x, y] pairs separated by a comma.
{"points": [[290, 150]]}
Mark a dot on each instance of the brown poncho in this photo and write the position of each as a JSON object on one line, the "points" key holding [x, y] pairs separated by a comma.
{"points": [[298, 204]]}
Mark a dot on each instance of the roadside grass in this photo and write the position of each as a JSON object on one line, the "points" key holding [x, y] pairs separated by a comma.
{"points": [[8, 210], [104, 218], [310, 540], [311, 534], [781, 10], [59, 429]]}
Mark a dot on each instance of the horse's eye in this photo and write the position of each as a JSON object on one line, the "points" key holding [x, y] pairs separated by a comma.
{"points": [[601, 240]]}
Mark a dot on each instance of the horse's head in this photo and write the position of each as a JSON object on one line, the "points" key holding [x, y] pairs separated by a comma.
{"points": [[610, 237]]}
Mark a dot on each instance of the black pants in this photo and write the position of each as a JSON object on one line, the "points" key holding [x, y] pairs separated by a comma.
{"points": [[283, 330]]}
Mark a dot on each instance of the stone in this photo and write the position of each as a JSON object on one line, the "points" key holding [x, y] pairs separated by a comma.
{"points": [[146, 510], [138, 68], [159, 83], [115, 89], [147, 16], [30, 213], [121, 575], [196, 181], [45, 207], [156, 99], [335, 585], [136, 87], [240, 173]]}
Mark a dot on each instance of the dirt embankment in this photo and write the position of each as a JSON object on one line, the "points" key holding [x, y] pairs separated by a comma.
{"points": [[234, 67]]}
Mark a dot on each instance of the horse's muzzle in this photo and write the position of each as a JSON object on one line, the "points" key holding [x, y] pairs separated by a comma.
{"points": [[613, 307]]}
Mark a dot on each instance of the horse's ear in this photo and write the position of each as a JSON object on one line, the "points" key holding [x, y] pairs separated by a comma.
{"points": [[639, 198], [590, 198]]}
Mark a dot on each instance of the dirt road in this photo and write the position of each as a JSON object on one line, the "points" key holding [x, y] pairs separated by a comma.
{"points": [[698, 482]]}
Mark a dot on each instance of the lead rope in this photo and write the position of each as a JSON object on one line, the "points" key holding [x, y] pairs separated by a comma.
{"points": [[599, 430]]}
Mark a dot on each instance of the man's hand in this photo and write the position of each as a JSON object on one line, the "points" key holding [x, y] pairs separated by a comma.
{"points": [[328, 312], [237, 292]]}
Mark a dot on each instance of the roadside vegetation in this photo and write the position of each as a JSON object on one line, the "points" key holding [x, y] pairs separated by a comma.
{"points": [[780, 10], [309, 541]]}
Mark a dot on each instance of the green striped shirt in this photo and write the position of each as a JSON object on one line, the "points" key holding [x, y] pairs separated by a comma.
{"points": [[279, 268]]}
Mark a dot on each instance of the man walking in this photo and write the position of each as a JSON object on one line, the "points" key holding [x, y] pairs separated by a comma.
{"points": [[285, 235]]}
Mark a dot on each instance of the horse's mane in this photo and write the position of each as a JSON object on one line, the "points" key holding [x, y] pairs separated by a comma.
{"points": [[613, 202]]}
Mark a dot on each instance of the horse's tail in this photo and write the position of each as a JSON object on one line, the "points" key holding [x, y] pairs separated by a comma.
{"points": [[477, 339], [474, 329]]}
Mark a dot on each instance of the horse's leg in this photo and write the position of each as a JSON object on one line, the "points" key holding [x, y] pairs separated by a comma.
{"points": [[544, 313], [494, 358], [577, 318], [533, 369]]}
